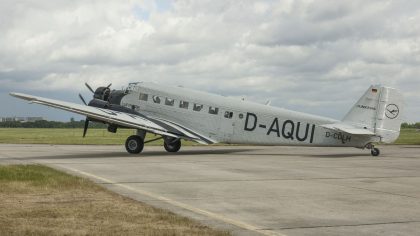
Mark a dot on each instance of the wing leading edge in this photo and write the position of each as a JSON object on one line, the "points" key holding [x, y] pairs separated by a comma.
{"points": [[136, 121]]}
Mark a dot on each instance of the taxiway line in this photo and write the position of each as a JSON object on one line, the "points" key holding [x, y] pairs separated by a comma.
{"points": [[196, 210]]}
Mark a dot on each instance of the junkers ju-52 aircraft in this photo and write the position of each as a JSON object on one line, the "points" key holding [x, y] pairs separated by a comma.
{"points": [[177, 113]]}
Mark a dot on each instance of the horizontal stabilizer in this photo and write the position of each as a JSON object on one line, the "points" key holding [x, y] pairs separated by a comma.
{"points": [[341, 127]]}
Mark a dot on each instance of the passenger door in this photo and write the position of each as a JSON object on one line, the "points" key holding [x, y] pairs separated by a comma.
{"points": [[227, 125]]}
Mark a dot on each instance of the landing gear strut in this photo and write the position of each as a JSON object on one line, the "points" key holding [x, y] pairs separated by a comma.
{"points": [[373, 151], [172, 144], [134, 144]]}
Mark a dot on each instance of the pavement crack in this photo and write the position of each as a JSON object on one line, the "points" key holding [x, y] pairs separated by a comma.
{"points": [[373, 190]]}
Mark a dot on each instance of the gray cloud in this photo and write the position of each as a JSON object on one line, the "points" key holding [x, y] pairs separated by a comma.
{"points": [[315, 56]]}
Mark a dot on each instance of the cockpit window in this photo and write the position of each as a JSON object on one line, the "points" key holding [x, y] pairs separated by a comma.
{"points": [[169, 101], [197, 107], [183, 104], [143, 96], [156, 99], [213, 110]]}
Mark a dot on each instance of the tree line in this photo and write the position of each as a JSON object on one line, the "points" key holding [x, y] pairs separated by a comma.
{"points": [[50, 124], [406, 125]]}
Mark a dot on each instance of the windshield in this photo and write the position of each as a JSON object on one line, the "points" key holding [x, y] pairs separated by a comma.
{"points": [[131, 87]]}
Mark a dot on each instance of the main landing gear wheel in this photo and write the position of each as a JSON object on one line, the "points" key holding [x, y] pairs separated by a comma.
{"points": [[134, 144], [172, 145], [375, 152]]}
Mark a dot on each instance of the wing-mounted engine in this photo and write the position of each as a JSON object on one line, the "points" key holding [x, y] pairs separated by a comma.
{"points": [[101, 93], [106, 94], [104, 97]]}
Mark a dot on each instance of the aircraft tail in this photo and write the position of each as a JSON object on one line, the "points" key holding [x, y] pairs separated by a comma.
{"points": [[378, 110]]}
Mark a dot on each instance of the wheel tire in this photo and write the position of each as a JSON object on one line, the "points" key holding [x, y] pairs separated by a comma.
{"points": [[375, 152], [172, 146], [134, 144]]}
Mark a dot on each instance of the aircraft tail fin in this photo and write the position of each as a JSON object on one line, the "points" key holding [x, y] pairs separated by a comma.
{"points": [[378, 110]]}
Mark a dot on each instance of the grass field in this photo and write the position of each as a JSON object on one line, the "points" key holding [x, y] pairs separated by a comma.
{"points": [[409, 137], [69, 136], [38, 200], [102, 136]]}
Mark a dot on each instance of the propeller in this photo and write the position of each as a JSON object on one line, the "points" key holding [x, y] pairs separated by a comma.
{"points": [[87, 119], [90, 88], [86, 127], [95, 96], [81, 98]]}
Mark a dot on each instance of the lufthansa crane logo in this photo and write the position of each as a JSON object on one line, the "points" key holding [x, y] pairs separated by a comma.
{"points": [[392, 111]]}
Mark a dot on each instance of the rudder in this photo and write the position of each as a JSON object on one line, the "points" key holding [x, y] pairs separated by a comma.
{"points": [[378, 110]]}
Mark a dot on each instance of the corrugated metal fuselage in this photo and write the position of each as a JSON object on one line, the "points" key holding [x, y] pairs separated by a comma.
{"points": [[237, 121]]}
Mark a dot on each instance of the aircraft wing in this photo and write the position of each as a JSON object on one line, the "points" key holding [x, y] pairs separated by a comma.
{"points": [[346, 128], [136, 121]]}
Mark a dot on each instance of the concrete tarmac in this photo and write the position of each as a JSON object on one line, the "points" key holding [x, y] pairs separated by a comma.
{"points": [[256, 190]]}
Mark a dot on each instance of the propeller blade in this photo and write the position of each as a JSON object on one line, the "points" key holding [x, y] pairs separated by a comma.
{"points": [[81, 98], [90, 88], [109, 85], [86, 127]]}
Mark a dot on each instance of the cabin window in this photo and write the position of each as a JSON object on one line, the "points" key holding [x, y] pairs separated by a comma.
{"points": [[228, 114], [156, 99], [183, 104], [169, 101], [143, 96], [213, 110], [197, 107]]}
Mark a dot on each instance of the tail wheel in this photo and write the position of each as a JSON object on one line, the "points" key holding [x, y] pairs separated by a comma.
{"points": [[134, 144], [172, 145], [375, 152]]}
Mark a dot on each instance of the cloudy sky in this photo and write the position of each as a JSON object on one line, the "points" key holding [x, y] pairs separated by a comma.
{"points": [[317, 56]]}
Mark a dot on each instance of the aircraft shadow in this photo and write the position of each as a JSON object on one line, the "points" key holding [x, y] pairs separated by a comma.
{"points": [[141, 155], [414, 147], [334, 155], [349, 155]]}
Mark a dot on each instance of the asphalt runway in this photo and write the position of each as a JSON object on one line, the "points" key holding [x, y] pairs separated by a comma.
{"points": [[257, 190]]}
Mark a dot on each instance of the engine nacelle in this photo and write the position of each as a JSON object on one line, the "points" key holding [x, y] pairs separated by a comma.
{"points": [[102, 93]]}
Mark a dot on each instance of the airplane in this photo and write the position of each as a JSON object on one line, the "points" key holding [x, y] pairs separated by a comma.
{"points": [[177, 113]]}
